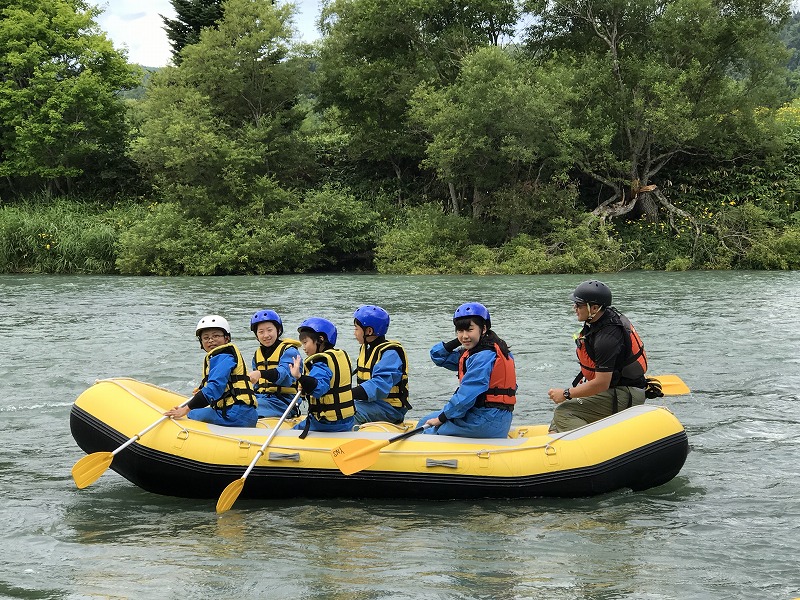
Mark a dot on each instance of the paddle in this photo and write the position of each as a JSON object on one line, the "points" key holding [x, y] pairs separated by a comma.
{"points": [[233, 489], [672, 385], [356, 455], [89, 469]]}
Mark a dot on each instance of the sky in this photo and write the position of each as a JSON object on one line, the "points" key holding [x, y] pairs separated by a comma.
{"points": [[137, 26]]}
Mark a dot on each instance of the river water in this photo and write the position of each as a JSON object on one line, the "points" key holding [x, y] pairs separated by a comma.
{"points": [[726, 527]]}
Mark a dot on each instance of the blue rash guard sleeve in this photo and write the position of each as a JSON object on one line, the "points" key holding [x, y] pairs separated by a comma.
{"points": [[220, 367], [285, 378], [475, 382], [386, 374], [442, 357], [320, 372], [284, 372]]}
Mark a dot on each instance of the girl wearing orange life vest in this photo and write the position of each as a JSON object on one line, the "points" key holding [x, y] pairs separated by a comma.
{"points": [[482, 405]]}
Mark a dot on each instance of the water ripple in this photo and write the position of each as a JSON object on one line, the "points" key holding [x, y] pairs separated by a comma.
{"points": [[725, 527]]}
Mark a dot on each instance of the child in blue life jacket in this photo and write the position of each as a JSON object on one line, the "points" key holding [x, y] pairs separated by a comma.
{"points": [[381, 370], [483, 404], [272, 363], [325, 379], [226, 396]]}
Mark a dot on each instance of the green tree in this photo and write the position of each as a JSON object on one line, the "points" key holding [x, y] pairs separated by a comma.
{"points": [[223, 126], [191, 17], [657, 79], [790, 35], [375, 53], [490, 129], [60, 114]]}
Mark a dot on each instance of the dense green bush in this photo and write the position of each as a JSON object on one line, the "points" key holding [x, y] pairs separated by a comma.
{"points": [[62, 236], [588, 246], [532, 208], [167, 242], [429, 241], [336, 230], [654, 246], [327, 230], [425, 241], [524, 255], [774, 251]]}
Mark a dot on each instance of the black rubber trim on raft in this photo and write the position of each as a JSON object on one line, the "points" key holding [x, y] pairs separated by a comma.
{"points": [[163, 473]]}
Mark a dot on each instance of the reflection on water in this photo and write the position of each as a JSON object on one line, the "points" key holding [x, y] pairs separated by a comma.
{"points": [[725, 527]]}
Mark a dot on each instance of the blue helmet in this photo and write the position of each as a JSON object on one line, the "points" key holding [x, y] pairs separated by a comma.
{"points": [[372, 316], [320, 325], [263, 316], [473, 309]]}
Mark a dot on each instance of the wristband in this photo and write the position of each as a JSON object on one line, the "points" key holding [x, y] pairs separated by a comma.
{"points": [[360, 394], [271, 375], [199, 400], [451, 345]]}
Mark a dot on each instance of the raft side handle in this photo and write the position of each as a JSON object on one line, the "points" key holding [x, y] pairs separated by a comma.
{"points": [[484, 453], [180, 438], [551, 456], [450, 463], [292, 456]]}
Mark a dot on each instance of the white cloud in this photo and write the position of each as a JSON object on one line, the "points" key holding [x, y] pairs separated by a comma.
{"points": [[136, 25]]}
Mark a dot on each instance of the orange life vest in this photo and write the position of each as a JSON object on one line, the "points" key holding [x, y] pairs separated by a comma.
{"points": [[632, 364], [502, 392]]}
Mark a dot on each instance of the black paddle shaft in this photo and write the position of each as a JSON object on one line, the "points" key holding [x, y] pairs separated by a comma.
{"points": [[405, 435]]}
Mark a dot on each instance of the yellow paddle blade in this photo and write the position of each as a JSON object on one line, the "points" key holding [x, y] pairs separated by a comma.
{"points": [[229, 495], [88, 469], [357, 455], [672, 385]]}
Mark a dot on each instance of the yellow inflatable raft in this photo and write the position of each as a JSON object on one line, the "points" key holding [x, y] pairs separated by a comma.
{"points": [[638, 448]]}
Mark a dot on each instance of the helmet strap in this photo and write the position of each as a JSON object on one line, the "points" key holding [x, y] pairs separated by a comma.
{"points": [[593, 315]]}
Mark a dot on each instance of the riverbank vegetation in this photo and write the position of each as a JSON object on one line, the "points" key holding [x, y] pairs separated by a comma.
{"points": [[413, 137]]}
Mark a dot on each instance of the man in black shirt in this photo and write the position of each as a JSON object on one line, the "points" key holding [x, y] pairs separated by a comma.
{"points": [[612, 360]]}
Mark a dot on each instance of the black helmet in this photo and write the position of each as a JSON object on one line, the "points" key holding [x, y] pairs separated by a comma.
{"points": [[592, 292]]}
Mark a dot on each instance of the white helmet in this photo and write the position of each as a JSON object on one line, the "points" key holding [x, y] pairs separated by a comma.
{"points": [[213, 321]]}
